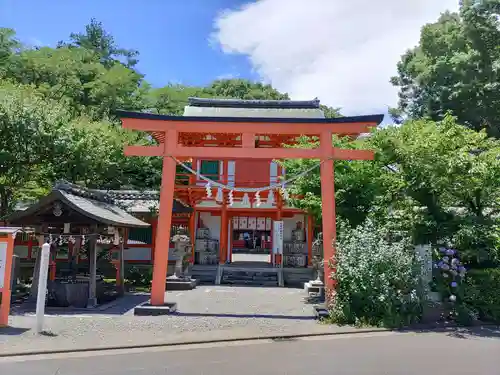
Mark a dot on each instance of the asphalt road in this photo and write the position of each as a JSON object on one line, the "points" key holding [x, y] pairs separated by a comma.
{"points": [[374, 354]]}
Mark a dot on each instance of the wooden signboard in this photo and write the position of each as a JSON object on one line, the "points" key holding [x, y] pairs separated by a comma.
{"points": [[252, 223], [261, 223], [243, 224], [236, 221], [269, 223]]}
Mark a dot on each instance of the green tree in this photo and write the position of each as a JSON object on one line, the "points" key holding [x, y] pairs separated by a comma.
{"points": [[456, 68], [243, 89], [452, 174], [76, 77], [97, 39], [8, 45], [437, 180], [358, 184], [29, 138], [171, 99]]}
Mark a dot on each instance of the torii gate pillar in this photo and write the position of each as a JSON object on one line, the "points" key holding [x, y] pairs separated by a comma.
{"points": [[328, 210]]}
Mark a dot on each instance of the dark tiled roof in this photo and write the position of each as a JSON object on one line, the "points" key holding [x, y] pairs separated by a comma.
{"points": [[375, 119], [239, 103], [106, 207], [107, 213]]}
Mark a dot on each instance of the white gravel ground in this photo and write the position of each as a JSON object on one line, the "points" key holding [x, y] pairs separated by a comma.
{"points": [[205, 309]]}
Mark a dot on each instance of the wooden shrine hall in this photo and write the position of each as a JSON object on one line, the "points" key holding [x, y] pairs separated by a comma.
{"points": [[85, 223], [241, 140]]}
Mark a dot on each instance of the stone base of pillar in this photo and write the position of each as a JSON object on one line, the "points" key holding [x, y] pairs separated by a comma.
{"points": [[146, 309], [91, 303]]}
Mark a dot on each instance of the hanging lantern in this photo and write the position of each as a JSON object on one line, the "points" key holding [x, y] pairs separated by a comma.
{"points": [[257, 199], [270, 198], [231, 198], [246, 200], [219, 197], [208, 189]]}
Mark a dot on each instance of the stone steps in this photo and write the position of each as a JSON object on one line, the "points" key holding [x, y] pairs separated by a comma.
{"points": [[252, 277], [205, 274]]}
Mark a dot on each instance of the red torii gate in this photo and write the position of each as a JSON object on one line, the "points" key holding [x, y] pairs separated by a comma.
{"points": [[167, 130]]}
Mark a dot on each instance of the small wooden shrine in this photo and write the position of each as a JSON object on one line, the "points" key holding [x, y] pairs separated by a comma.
{"points": [[87, 223]]}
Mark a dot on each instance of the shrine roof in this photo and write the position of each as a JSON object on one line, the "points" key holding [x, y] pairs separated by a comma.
{"points": [[239, 103], [378, 118], [106, 207], [137, 201]]}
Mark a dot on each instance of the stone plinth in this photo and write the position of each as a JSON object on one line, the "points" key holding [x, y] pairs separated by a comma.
{"points": [[181, 284], [146, 309], [315, 288]]}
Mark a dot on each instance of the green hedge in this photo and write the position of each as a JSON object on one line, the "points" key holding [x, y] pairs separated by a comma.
{"points": [[482, 293]]}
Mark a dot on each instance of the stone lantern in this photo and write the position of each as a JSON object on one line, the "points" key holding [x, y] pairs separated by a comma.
{"points": [[316, 288]]}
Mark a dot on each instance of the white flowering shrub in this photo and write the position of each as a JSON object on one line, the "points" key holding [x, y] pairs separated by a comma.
{"points": [[378, 279]]}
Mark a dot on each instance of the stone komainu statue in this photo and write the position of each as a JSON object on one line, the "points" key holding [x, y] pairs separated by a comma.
{"points": [[182, 247]]}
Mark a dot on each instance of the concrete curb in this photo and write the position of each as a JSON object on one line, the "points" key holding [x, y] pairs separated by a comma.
{"points": [[190, 342]]}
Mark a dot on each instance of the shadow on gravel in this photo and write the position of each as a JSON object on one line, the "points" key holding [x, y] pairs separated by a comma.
{"points": [[13, 331], [120, 306], [261, 316]]}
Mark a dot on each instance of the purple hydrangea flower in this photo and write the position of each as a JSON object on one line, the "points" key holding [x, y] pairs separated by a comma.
{"points": [[450, 252], [442, 250], [446, 259], [454, 284]]}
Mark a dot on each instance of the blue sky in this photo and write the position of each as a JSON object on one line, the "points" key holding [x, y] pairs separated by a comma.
{"points": [[171, 35]]}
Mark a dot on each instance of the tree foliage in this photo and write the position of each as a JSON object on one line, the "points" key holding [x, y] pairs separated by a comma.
{"points": [[456, 68], [437, 180]]}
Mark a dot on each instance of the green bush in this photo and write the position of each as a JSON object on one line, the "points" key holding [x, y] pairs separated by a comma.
{"points": [[378, 279], [482, 293], [142, 276]]}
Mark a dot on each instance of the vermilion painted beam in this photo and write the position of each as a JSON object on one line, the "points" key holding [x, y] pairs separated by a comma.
{"points": [[247, 127], [144, 150], [221, 153], [346, 154]]}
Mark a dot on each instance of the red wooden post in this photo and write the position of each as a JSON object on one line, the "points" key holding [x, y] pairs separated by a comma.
{"points": [[158, 285], [328, 207], [7, 238]]}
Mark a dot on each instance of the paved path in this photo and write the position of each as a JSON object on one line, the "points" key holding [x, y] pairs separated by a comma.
{"points": [[377, 354], [205, 311]]}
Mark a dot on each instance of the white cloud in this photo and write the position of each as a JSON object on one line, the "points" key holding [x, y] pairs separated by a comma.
{"points": [[343, 52]]}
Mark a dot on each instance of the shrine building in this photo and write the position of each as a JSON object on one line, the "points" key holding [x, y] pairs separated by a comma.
{"points": [[232, 231]]}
